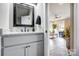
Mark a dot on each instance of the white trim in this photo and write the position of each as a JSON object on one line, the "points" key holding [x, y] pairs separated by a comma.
{"points": [[75, 27], [46, 34]]}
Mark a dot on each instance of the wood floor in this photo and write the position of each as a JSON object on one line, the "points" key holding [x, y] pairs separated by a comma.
{"points": [[57, 47]]}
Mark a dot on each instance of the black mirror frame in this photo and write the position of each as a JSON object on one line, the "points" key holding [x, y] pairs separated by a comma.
{"points": [[14, 17]]}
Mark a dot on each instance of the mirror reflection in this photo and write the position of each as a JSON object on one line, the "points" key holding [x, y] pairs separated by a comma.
{"points": [[23, 15]]}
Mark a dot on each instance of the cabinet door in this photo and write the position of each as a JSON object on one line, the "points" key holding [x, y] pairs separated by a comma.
{"points": [[36, 49], [14, 51]]}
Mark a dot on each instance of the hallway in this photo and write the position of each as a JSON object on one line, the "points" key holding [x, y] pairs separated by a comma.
{"points": [[58, 47], [59, 17]]}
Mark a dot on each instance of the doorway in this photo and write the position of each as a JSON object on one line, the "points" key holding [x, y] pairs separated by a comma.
{"points": [[60, 29]]}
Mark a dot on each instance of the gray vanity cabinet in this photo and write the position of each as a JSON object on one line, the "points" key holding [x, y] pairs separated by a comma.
{"points": [[36, 49], [33, 49], [14, 51], [23, 45]]}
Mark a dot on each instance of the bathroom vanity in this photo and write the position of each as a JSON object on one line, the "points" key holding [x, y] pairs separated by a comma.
{"points": [[22, 44], [21, 41]]}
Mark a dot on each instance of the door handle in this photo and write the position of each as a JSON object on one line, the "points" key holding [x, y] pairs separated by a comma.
{"points": [[27, 46], [46, 31], [26, 50]]}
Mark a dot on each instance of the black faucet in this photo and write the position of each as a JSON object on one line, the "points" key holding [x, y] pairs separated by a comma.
{"points": [[24, 29]]}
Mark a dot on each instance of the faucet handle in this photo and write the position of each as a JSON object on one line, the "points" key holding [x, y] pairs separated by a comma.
{"points": [[21, 30], [27, 30]]}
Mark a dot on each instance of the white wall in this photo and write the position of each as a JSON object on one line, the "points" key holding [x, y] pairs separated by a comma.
{"points": [[4, 18], [40, 9], [4, 15]]}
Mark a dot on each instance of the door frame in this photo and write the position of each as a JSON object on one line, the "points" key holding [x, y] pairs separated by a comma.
{"points": [[46, 51], [72, 26], [73, 30]]}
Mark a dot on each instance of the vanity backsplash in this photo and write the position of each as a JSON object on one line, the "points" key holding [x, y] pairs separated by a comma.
{"points": [[23, 29]]}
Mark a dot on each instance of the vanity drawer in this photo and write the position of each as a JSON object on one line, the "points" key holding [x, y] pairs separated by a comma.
{"points": [[21, 39]]}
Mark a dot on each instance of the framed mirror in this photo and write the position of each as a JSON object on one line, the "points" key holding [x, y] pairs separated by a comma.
{"points": [[23, 15]]}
